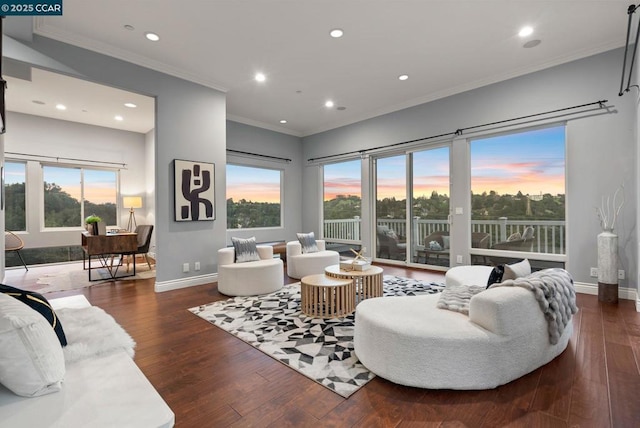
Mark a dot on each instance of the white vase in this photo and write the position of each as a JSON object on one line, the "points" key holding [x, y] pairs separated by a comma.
{"points": [[608, 267]]}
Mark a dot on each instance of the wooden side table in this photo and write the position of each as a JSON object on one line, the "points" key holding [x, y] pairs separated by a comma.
{"points": [[368, 283], [326, 297]]}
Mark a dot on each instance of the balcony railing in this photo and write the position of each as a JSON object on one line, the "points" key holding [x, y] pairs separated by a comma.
{"points": [[549, 236]]}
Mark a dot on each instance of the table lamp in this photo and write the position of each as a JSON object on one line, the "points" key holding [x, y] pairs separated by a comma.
{"points": [[132, 202]]}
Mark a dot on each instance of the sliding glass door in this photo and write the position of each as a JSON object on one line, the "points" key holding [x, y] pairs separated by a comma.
{"points": [[430, 206], [417, 232], [391, 207]]}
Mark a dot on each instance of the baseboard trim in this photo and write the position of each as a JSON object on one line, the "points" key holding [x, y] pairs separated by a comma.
{"points": [[623, 292], [192, 281]]}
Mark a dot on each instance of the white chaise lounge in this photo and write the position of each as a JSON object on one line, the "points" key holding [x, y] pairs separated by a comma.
{"points": [[98, 392], [409, 341]]}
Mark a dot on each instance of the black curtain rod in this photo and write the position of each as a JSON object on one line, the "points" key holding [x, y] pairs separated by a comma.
{"points": [[630, 11], [258, 155], [57, 158], [459, 131]]}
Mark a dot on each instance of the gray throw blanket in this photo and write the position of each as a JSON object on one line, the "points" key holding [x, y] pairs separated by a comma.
{"points": [[554, 291]]}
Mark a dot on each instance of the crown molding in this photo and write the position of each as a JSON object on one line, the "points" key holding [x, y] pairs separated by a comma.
{"points": [[584, 53], [259, 124], [42, 29]]}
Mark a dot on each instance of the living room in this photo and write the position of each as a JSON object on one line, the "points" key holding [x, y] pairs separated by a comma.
{"points": [[192, 122]]}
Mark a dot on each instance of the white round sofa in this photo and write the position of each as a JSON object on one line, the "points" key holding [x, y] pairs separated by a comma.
{"points": [[301, 264], [409, 341]]}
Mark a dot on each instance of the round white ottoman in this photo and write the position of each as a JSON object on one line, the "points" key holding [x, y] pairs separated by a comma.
{"points": [[468, 275], [251, 278]]}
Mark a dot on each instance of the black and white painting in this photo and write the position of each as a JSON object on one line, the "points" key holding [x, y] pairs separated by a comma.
{"points": [[194, 191]]}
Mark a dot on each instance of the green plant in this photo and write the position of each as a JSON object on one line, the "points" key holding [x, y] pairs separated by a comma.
{"points": [[92, 219]]}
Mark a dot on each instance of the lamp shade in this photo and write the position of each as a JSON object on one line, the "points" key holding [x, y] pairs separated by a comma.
{"points": [[132, 202]]}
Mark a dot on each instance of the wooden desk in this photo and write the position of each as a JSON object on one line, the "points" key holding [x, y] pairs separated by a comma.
{"points": [[103, 247]]}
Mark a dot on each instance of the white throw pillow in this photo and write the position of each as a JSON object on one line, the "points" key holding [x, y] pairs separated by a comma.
{"points": [[31, 358], [517, 270]]}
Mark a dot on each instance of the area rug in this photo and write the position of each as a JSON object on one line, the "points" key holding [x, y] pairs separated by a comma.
{"points": [[321, 349], [73, 277]]}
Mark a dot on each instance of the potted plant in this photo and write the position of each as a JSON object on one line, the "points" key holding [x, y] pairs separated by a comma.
{"points": [[92, 224]]}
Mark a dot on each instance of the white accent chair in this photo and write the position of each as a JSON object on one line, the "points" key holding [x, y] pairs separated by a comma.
{"points": [[300, 265], [249, 278]]}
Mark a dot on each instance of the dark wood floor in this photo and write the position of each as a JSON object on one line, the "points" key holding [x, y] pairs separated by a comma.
{"points": [[212, 379]]}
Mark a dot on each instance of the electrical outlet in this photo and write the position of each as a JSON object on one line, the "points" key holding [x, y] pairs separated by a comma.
{"points": [[459, 259], [196, 266], [594, 272], [620, 274], [185, 267]]}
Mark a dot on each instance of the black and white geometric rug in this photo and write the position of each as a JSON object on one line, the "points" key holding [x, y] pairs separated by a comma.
{"points": [[321, 349]]}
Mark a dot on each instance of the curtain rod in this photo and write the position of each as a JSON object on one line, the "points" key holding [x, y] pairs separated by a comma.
{"points": [[58, 158], [459, 131], [630, 11], [258, 155]]}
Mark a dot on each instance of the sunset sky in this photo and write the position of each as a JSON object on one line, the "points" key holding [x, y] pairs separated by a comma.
{"points": [[531, 162], [253, 184], [100, 186]]}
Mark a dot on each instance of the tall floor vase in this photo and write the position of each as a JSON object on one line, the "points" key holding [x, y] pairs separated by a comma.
{"points": [[608, 267]]}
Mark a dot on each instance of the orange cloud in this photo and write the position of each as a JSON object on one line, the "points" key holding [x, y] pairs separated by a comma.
{"points": [[255, 192]]}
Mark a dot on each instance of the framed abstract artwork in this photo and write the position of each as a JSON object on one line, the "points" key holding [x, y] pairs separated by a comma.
{"points": [[194, 191]]}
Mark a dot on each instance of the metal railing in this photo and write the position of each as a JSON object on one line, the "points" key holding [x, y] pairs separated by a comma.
{"points": [[549, 236]]}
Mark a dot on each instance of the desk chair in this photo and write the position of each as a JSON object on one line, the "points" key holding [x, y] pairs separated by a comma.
{"points": [[144, 232], [13, 242]]}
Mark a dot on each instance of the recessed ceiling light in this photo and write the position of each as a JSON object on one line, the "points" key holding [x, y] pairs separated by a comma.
{"points": [[129, 27], [130, 105], [532, 43], [328, 104], [403, 77], [260, 77], [525, 31], [61, 106], [283, 121], [152, 36], [336, 33], [118, 118]]}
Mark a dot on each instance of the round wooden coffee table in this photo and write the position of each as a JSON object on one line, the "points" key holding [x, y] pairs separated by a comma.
{"points": [[326, 297], [368, 283]]}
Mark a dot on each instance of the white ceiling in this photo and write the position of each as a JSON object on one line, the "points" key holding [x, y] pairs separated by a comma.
{"points": [[445, 46]]}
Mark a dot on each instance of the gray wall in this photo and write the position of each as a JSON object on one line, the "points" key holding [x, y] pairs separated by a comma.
{"points": [[250, 139], [190, 121], [601, 149]]}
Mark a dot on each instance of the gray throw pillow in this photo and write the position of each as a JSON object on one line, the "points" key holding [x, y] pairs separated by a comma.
{"points": [[308, 242], [245, 249]]}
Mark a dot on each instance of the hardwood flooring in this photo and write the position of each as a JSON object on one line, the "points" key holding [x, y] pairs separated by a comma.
{"points": [[212, 379]]}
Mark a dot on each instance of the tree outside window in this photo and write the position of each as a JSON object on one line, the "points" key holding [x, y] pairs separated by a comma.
{"points": [[253, 197], [14, 193], [71, 194]]}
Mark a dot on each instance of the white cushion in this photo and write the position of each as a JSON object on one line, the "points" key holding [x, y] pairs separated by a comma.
{"points": [[31, 358], [516, 270]]}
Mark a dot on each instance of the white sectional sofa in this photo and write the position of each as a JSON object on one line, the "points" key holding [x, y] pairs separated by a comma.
{"points": [[102, 391], [410, 341]]}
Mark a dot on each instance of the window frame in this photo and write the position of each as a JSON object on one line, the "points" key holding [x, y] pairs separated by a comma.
{"points": [[83, 215], [281, 190]]}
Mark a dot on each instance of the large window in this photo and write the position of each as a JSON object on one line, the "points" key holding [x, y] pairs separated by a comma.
{"points": [[253, 197], [14, 191], [518, 191], [71, 194], [342, 201]]}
